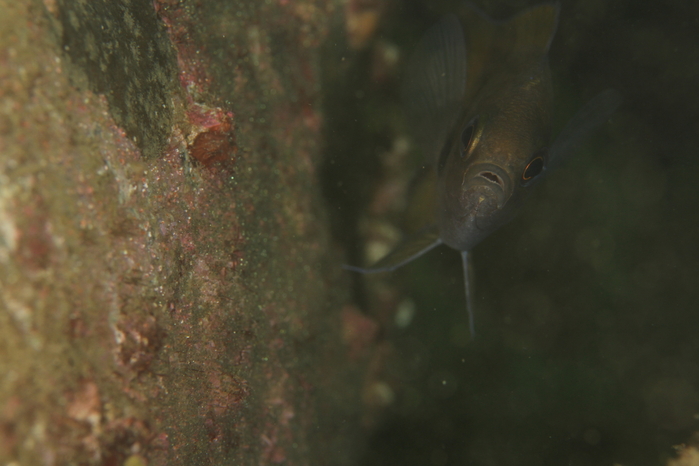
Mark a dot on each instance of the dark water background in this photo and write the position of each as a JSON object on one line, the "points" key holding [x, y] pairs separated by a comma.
{"points": [[587, 303]]}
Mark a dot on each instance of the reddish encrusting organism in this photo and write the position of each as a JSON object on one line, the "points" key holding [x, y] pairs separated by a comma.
{"points": [[214, 143], [192, 65], [138, 341], [211, 140], [35, 243], [212, 147]]}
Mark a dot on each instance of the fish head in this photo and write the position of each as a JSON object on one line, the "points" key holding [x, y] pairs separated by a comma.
{"points": [[491, 160]]}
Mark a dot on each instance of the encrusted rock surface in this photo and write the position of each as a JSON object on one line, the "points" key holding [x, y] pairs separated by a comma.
{"points": [[169, 294]]}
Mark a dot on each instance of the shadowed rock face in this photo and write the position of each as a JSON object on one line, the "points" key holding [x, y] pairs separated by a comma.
{"points": [[123, 51]]}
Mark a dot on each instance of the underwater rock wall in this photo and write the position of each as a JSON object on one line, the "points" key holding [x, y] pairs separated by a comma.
{"points": [[168, 290]]}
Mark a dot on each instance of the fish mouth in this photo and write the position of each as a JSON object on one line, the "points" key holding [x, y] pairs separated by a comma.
{"points": [[490, 176], [493, 177], [486, 188], [487, 179]]}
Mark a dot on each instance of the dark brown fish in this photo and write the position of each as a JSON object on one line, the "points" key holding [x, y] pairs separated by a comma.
{"points": [[480, 104]]}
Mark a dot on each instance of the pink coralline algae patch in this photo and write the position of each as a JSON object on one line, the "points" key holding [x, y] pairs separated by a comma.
{"points": [[362, 19], [272, 453], [211, 137], [191, 63], [35, 242], [174, 244], [138, 340], [84, 405], [226, 392], [98, 433], [219, 406], [358, 331], [281, 411]]}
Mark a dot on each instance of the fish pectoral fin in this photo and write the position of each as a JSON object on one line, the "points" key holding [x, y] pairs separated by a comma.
{"points": [[422, 197], [592, 115], [467, 292], [408, 250]]}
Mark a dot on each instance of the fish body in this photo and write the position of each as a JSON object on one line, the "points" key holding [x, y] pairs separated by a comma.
{"points": [[479, 102]]}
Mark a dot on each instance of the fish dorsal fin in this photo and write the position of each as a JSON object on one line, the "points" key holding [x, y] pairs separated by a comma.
{"points": [[503, 46], [593, 114], [530, 31], [534, 29], [435, 83], [408, 250]]}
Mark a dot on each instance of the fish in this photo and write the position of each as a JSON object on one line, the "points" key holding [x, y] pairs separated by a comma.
{"points": [[479, 104]]}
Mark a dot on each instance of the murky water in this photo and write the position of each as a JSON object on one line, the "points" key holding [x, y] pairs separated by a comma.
{"points": [[586, 304]]}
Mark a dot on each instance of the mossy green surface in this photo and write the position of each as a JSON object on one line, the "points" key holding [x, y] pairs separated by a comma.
{"points": [[121, 49]]}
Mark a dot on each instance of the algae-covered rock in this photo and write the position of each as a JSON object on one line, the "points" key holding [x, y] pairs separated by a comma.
{"points": [[168, 294]]}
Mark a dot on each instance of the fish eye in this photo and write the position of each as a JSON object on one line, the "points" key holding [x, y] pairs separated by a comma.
{"points": [[534, 167], [467, 137]]}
